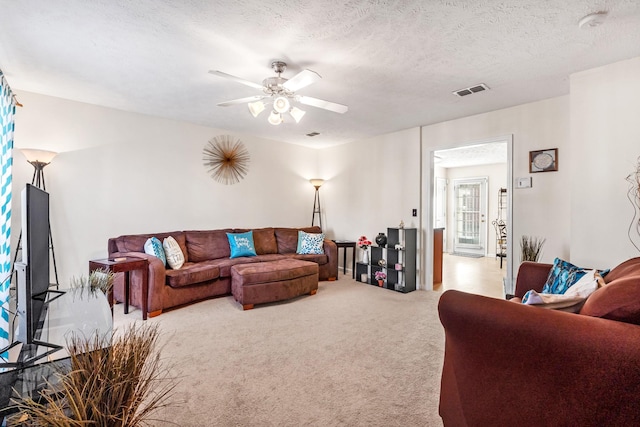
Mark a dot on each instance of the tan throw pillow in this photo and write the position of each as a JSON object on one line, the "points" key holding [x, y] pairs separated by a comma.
{"points": [[175, 257]]}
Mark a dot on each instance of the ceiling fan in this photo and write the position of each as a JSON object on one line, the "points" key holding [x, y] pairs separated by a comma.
{"points": [[280, 91]]}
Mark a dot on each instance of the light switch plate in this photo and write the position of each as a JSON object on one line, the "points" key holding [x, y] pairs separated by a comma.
{"points": [[523, 182]]}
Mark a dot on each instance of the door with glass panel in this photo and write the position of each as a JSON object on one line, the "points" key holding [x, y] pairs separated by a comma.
{"points": [[470, 216]]}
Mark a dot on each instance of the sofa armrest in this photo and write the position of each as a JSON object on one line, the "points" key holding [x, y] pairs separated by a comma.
{"points": [[156, 279], [531, 275], [512, 364], [331, 250]]}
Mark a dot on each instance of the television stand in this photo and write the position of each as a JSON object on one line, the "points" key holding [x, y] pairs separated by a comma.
{"points": [[29, 353], [35, 350], [79, 312]]}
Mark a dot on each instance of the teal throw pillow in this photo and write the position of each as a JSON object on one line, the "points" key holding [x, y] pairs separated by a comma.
{"points": [[241, 244], [309, 243], [153, 246], [562, 276]]}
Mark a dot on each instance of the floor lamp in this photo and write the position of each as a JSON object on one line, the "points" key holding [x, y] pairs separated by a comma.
{"points": [[39, 159], [317, 183]]}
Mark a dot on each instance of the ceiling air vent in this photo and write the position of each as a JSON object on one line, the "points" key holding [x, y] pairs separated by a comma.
{"points": [[469, 90], [313, 134]]}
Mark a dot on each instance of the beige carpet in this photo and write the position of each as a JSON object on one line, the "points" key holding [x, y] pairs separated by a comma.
{"points": [[351, 355]]}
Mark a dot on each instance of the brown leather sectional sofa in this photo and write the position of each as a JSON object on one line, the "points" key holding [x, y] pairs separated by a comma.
{"points": [[509, 364], [206, 272]]}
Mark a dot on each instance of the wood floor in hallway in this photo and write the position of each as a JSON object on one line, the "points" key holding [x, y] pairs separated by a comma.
{"points": [[481, 276]]}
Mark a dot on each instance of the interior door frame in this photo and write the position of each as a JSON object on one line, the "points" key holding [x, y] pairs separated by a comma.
{"points": [[427, 202], [440, 209]]}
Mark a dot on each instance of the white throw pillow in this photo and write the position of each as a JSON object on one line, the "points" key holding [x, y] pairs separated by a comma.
{"points": [[573, 297], [309, 243], [175, 257]]}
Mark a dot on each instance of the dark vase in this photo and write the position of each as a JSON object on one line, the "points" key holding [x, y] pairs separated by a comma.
{"points": [[381, 240]]}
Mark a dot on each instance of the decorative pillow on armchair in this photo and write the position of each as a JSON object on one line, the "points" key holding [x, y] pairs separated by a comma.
{"points": [[173, 253], [572, 300], [309, 243], [562, 276], [241, 244], [153, 247]]}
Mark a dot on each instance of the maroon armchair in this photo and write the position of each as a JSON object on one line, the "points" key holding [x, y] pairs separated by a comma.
{"points": [[508, 364]]}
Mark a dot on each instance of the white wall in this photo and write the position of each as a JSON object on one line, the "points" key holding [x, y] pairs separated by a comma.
{"points": [[124, 173], [371, 185], [363, 198], [605, 147], [544, 209]]}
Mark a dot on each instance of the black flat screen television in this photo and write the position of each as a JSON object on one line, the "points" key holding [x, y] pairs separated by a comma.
{"points": [[32, 292], [33, 275], [32, 280]]}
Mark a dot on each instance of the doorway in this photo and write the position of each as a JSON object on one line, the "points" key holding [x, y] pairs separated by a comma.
{"points": [[465, 182]]}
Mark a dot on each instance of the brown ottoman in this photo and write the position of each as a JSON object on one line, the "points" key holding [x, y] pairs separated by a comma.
{"points": [[261, 282]]}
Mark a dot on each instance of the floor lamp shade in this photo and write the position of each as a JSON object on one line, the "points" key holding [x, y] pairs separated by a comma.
{"points": [[42, 156], [316, 182], [38, 159]]}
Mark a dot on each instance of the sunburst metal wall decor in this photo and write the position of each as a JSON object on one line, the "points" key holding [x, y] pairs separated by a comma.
{"points": [[226, 159]]}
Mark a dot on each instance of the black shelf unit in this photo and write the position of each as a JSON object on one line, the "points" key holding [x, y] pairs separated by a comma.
{"points": [[401, 278]]}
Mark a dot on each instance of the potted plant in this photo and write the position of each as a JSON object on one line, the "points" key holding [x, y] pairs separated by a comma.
{"points": [[113, 381], [531, 248], [116, 379], [364, 243], [380, 277], [98, 280]]}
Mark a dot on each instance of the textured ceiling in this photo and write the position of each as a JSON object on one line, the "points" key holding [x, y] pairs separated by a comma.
{"points": [[394, 63], [472, 155]]}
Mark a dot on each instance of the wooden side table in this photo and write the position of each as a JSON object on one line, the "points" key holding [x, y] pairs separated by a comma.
{"points": [[126, 265], [346, 244]]}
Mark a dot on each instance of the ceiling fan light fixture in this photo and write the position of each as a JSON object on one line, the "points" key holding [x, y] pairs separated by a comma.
{"points": [[281, 104], [297, 114], [256, 108], [275, 118], [280, 92]]}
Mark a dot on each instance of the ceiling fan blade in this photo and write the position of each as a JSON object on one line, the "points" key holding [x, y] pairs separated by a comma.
{"points": [[303, 79], [235, 79], [315, 102], [241, 100]]}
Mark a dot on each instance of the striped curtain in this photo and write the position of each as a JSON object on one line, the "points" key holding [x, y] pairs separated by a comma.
{"points": [[7, 111]]}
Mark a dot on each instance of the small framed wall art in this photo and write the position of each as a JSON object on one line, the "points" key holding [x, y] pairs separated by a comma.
{"points": [[543, 160]]}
